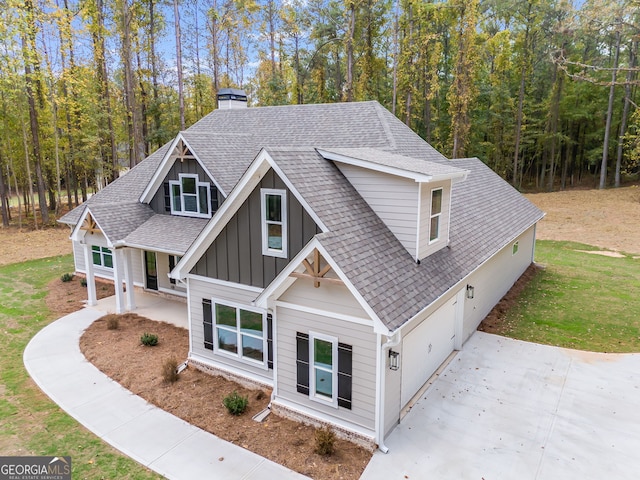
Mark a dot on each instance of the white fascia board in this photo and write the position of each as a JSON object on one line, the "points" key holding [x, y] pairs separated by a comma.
{"points": [[300, 198], [160, 173], [166, 165], [152, 249], [249, 180], [454, 177], [357, 162], [213, 179], [75, 235], [281, 283]]}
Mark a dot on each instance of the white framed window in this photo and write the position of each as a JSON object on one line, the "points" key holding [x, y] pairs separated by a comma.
{"points": [[323, 366], [514, 248], [436, 213], [274, 222], [240, 332], [190, 197], [102, 256]]}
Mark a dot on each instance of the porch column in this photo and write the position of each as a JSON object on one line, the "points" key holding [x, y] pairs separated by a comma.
{"points": [[128, 279], [118, 270], [91, 280]]}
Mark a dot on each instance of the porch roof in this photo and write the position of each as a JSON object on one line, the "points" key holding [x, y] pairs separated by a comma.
{"points": [[166, 233]]}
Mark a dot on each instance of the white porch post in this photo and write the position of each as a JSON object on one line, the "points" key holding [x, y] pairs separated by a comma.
{"points": [[118, 267], [128, 279], [91, 280]]}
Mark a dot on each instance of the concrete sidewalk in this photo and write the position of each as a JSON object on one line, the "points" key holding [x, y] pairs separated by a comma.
{"points": [[149, 435]]}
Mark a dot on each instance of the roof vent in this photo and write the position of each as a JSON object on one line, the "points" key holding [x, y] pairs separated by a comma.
{"points": [[231, 98]]}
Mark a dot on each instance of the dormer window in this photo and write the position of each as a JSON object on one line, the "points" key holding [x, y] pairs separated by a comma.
{"points": [[274, 222], [190, 197], [436, 213]]}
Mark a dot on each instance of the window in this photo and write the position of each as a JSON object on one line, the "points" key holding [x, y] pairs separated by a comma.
{"points": [[240, 332], [102, 256], [173, 261], [514, 249], [324, 369], [274, 222], [189, 197], [436, 212]]}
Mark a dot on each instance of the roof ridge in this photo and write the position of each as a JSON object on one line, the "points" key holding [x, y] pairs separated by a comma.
{"points": [[385, 126]]}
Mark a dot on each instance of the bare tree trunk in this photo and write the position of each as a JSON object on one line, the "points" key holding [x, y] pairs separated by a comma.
{"points": [[129, 93], [154, 67], [396, 53], [176, 15], [350, 33], [519, 114], [25, 142], [4, 207], [607, 132], [625, 110], [29, 52]]}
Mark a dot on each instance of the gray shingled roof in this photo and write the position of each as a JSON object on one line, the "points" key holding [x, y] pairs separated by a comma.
{"points": [[487, 214], [117, 220], [394, 160], [168, 233]]}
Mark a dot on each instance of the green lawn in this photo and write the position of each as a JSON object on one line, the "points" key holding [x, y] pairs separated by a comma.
{"points": [[581, 300], [30, 424]]}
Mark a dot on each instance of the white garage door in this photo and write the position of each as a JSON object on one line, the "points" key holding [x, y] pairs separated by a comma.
{"points": [[425, 348]]}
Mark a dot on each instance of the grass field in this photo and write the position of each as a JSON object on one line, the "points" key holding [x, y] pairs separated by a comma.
{"points": [[30, 424], [580, 300]]}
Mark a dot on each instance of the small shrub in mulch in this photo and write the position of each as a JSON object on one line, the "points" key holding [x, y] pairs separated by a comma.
{"points": [[236, 404], [113, 322], [149, 339], [325, 441], [170, 370], [66, 277]]}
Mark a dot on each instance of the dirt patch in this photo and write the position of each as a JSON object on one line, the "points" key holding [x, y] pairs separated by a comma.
{"points": [[22, 245], [603, 218], [68, 297], [198, 398]]}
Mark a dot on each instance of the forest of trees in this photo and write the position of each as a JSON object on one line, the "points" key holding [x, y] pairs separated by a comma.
{"points": [[543, 91]]}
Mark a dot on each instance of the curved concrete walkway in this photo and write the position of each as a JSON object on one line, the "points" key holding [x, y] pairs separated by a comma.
{"points": [[153, 437], [506, 409]]}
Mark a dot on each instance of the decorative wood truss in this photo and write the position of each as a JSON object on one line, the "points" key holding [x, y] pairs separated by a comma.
{"points": [[316, 271], [182, 152], [90, 224]]}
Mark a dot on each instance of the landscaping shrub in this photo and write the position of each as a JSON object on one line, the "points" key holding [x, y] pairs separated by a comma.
{"points": [[113, 323], [83, 282], [66, 277], [170, 370], [236, 403], [325, 441], [149, 339]]}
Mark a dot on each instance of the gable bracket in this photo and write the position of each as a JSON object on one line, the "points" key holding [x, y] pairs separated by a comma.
{"points": [[90, 224], [315, 272]]}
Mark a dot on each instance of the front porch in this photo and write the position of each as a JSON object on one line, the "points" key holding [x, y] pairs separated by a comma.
{"points": [[152, 306]]}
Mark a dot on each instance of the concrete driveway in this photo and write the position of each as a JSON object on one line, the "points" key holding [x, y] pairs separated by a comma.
{"points": [[506, 409]]}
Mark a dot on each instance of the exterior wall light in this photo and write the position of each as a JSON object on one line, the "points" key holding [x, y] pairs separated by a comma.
{"points": [[394, 358], [470, 291]]}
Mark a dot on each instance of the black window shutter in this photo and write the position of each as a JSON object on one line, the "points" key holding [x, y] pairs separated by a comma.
{"points": [[172, 265], [214, 199], [302, 363], [270, 341], [345, 353], [167, 197], [207, 313]]}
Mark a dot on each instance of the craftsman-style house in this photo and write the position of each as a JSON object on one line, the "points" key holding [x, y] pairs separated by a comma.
{"points": [[325, 251]]}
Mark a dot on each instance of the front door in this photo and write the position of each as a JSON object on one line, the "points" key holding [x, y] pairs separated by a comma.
{"points": [[151, 270]]}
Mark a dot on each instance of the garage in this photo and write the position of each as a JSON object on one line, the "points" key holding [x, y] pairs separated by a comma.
{"points": [[426, 347]]}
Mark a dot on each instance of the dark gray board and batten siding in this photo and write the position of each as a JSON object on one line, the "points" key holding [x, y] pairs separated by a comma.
{"points": [[188, 165], [236, 254]]}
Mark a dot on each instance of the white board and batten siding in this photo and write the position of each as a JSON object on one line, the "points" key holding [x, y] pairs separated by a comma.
{"points": [[203, 288], [425, 247], [494, 279], [137, 264], [393, 198]]}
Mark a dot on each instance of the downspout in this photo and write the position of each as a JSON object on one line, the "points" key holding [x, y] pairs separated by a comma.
{"points": [[390, 343]]}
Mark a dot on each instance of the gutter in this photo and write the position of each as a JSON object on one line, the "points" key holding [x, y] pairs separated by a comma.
{"points": [[390, 343]]}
